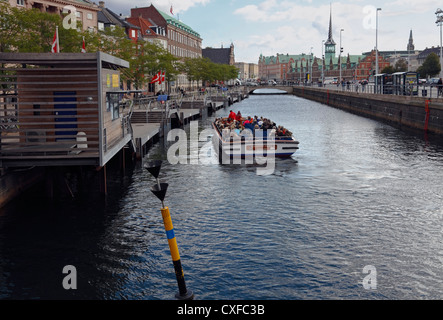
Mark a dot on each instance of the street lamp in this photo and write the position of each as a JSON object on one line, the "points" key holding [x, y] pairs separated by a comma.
{"points": [[322, 64], [439, 14], [310, 66], [339, 57], [376, 41]]}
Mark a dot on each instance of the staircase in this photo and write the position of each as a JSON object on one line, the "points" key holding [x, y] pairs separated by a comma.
{"points": [[155, 117], [139, 117], [146, 117]]}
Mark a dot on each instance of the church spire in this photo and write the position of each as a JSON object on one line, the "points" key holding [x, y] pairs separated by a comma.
{"points": [[330, 39], [330, 43], [411, 46]]}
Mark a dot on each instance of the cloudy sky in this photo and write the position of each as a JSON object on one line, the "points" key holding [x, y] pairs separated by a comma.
{"points": [[269, 27]]}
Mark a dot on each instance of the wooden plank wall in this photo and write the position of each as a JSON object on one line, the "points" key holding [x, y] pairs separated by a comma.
{"points": [[31, 129]]}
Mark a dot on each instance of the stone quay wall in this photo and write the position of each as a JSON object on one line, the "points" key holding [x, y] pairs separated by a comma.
{"points": [[415, 113]]}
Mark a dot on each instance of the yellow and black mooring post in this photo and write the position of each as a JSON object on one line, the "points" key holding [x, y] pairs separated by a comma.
{"points": [[159, 190]]}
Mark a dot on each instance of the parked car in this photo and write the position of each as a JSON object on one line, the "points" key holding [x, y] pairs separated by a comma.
{"points": [[434, 81]]}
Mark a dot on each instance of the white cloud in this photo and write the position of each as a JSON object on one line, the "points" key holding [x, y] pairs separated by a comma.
{"points": [[402, 7], [294, 26], [304, 24]]}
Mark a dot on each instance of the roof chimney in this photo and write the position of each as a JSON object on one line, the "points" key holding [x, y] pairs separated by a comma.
{"points": [[101, 4]]}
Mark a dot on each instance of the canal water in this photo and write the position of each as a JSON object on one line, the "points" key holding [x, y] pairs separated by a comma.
{"points": [[356, 213]]}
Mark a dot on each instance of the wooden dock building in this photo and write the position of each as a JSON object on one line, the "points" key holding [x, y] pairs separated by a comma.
{"points": [[61, 109], [63, 112]]}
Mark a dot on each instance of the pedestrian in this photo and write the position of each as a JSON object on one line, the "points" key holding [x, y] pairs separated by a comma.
{"points": [[440, 87]]}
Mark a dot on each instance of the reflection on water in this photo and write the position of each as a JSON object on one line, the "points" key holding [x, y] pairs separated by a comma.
{"points": [[357, 193], [269, 91]]}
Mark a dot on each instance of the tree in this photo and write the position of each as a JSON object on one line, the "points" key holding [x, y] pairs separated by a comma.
{"points": [[203, 69], [401, 66], [388, 70], [33, 31], [189, 67], [147, 60], [430, 67]]}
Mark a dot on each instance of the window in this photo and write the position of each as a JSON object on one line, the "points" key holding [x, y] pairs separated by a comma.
{"points": [[101, 26], [20, 2], [89, 16], [132, 33], [112, 104]]}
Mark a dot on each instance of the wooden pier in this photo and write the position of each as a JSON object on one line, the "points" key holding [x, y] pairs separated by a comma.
{"points": [[66, 110], [153, 117], [60, 110]]}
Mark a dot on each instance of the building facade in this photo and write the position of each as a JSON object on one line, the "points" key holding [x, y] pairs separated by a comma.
{"points": [[247, 71], [183, 41], [106, 18], [367, 66], [149, 31], [220, 55], [85, 10], [306, 68]]}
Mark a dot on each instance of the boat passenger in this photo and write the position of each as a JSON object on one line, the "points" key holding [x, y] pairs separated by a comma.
{"points": [[238, 117], [232, 115], [260, 123]]}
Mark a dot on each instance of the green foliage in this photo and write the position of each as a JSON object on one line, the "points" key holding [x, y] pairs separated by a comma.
{"points": [[430, 67], [400, 66], [33, 31], [388, 70], [203, 69]]}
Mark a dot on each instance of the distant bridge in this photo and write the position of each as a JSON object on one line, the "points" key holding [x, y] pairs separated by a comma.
{"points": [[283, 89]]}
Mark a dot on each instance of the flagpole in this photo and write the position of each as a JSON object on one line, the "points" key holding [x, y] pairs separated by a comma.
{"points": [[58, 44]]}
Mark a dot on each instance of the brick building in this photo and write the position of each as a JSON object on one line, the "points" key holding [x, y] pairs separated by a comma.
{"points": [[367, 66], [149, 31], [183, 41]]}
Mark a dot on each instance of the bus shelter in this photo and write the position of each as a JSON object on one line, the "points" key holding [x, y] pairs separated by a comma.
{"points": [[383, 83], [405, 83]]}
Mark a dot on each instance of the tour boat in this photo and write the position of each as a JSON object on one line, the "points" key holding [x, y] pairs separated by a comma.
{"points": [[262, 143]]}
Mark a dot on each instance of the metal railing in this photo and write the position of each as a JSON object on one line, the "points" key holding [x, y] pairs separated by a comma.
{"points": [[415, 90]]}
